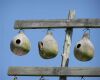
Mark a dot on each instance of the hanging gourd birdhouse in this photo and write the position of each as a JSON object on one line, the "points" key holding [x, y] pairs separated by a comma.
{"points": [[48, 47], [20, 45], [84, 49]]}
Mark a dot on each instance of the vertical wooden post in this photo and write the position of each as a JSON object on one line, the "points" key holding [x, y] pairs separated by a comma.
{"points": [[67, 44]]}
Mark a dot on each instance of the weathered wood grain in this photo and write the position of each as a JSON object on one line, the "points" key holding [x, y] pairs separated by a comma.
{"points": [[64, 23], [67, 44], [55, 71]]}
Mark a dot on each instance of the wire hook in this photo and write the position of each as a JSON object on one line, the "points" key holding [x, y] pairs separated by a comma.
{"points": [[42, 78], [87, 30], [82, 78], [21, 30], [48, 30], [15, 78]]}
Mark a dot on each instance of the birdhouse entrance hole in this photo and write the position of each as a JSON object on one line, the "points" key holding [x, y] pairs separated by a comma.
{"points": [[18, 41], [78, 45]]}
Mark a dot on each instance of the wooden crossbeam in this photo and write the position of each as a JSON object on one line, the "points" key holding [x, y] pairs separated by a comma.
{"points": [[37, 24], [54, 71]]}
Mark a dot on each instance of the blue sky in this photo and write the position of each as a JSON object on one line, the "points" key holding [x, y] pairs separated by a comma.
{"points": [[11, 10]]}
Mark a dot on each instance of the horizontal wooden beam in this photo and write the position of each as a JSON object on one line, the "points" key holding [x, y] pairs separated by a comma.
{"points": [[54, 71], [78, 23]]}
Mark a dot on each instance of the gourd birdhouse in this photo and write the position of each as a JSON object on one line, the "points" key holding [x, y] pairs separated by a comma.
{"points": [[84, 49], [48, 47], [20, 45]]}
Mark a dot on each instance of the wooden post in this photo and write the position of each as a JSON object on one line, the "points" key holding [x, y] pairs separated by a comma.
{"points": [[67, 44]]}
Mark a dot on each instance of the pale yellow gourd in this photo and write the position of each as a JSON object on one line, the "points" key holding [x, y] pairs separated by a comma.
{"points": [[20, 44], [84, 49], [48, 47]]}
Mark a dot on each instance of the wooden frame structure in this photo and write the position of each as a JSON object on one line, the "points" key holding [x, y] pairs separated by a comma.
{"points": [[63, 71]]}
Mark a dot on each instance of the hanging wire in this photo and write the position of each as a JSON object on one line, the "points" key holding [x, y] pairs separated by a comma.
{"points": [[48, 30], [42, 78], [87, 30], [21, 30], [82, 78], [15, 78]]}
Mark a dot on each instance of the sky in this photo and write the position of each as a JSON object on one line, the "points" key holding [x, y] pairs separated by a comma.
{"points": [[12, 10]]}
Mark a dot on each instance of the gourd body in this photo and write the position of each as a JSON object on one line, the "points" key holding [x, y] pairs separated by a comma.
{"points": [[84, 49], [20, 44], [48, 47]]}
